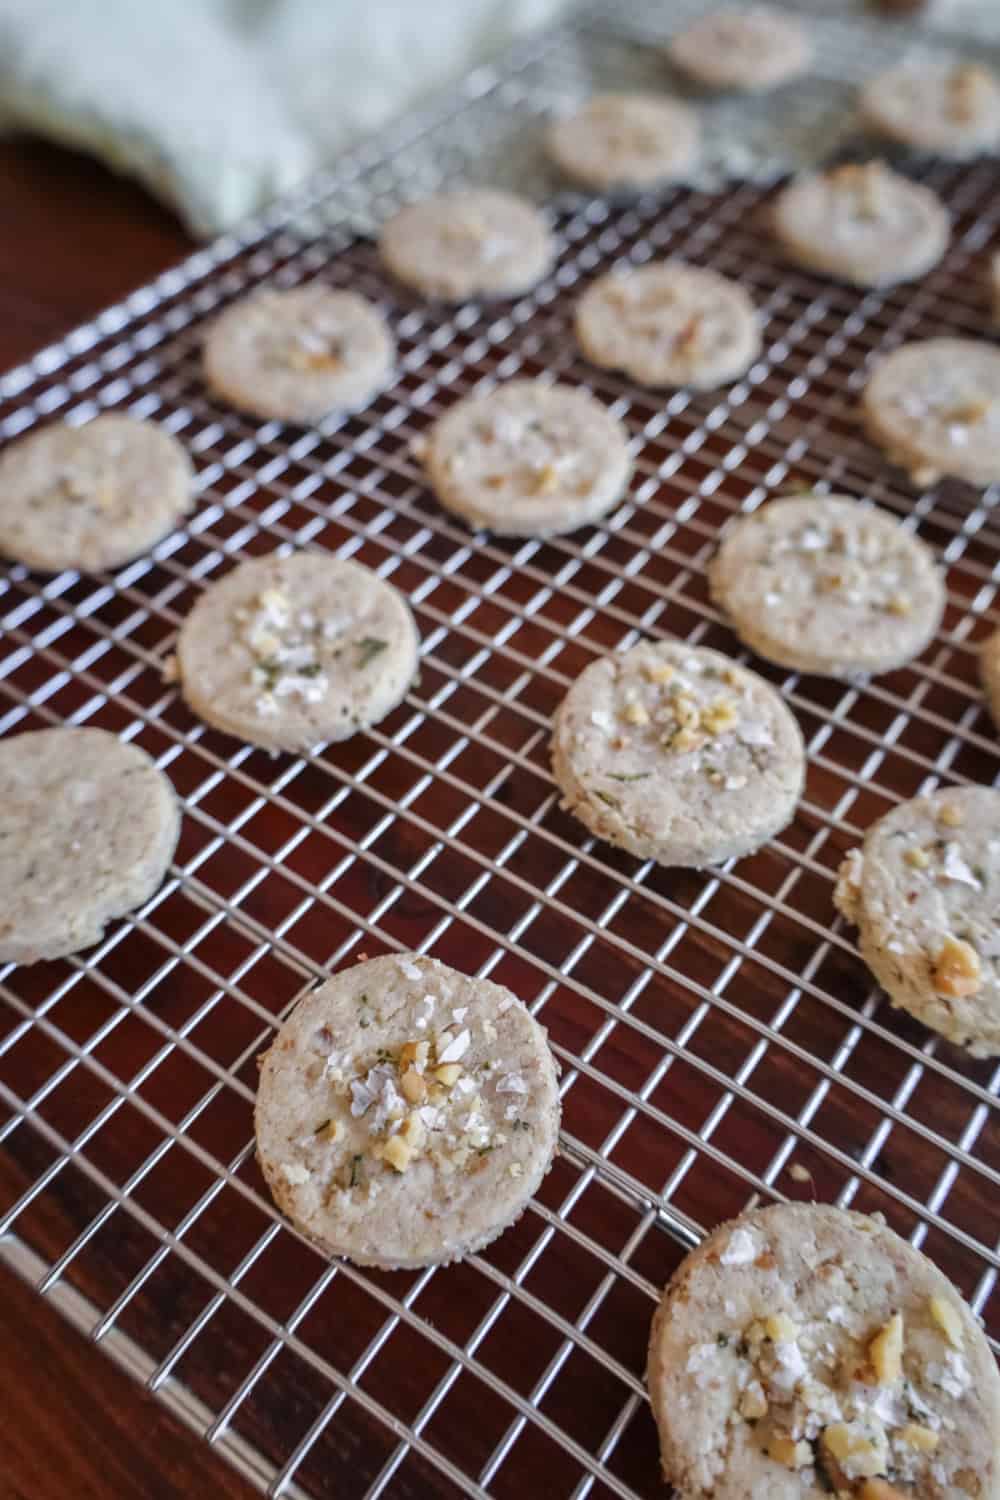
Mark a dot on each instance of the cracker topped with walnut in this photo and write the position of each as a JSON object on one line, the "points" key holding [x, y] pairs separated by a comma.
{"points": [[924, 893], [468, 242], [669, 324], [804, 1351], [296, 355], [406, 1113], [677, 754], [528, 459], [91, 496], [823, 583], [752, 50], [951, 109], [865, 224], [286, 652], [934, 406], [626, 141]]}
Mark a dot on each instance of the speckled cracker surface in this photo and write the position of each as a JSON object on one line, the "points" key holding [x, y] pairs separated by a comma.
{"points": [[468, 243], [803, 1351], [752, 50], [91, 496], [288, 651], [296, 355], [677, 754], [934, 406], [88, 831], [923, 893], [825, 584], [528, 459], [626, 141], [406, 1113], [951, 110], [669, 324], [867, 225]]}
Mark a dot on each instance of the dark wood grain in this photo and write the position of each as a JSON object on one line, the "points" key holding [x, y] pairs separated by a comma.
{"points": [[75, 238]]}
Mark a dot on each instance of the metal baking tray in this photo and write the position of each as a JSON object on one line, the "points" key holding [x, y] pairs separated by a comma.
{"points": [[715, 1030]]}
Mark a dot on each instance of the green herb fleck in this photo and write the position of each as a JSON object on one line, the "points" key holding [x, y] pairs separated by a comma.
{"points": [[324, 1125], [521, 1125], [607, 798], [722, 1339], [484, 1150], [356, 1173], [634, 776], [270, 670], [369, 647], [312, 669]]}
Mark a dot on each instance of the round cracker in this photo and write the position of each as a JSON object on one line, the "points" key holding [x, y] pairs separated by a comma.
{"points": [[93, 496], [669, 324], [294, 356], [922, 892], [952, 110], [90, 825], [774, 1349], [825, 584], [406, 1113], [934, 406], [286, 652], [528, 459], [474, 242], [866, 225], [751, 50], [626, 141], [677, 754]]}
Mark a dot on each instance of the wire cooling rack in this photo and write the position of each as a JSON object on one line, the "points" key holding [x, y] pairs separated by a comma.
{"points": [[717, 1031]]}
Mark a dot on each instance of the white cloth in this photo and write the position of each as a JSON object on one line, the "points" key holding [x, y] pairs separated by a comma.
{"points": [[218, 105]]}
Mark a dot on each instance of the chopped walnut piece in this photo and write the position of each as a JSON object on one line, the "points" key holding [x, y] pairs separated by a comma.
{"points": [[412, 1087], [396, 1152], [886, 1351], [658, 671], [448, 1073], [684, 740], [967, 412], [951, 815], [780, 1328], [635, 713], [785, 1450], [849, 1451], [689, 337], [917, 859], [546, 479], [924, 1439], [899, 605], [753, 1405], [719, 717], [957, 971], [414, 1052], [330, 1130], [946, 1316], [879, 1489]]}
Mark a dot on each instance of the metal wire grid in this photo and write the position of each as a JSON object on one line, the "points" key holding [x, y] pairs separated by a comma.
{"points": [[712, 1028]]}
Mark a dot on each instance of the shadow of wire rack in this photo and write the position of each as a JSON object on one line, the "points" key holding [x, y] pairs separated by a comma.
{"points": [[714, 1029]]}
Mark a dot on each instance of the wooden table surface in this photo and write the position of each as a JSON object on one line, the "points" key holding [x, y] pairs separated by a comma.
{"points": [[76, 238]]}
